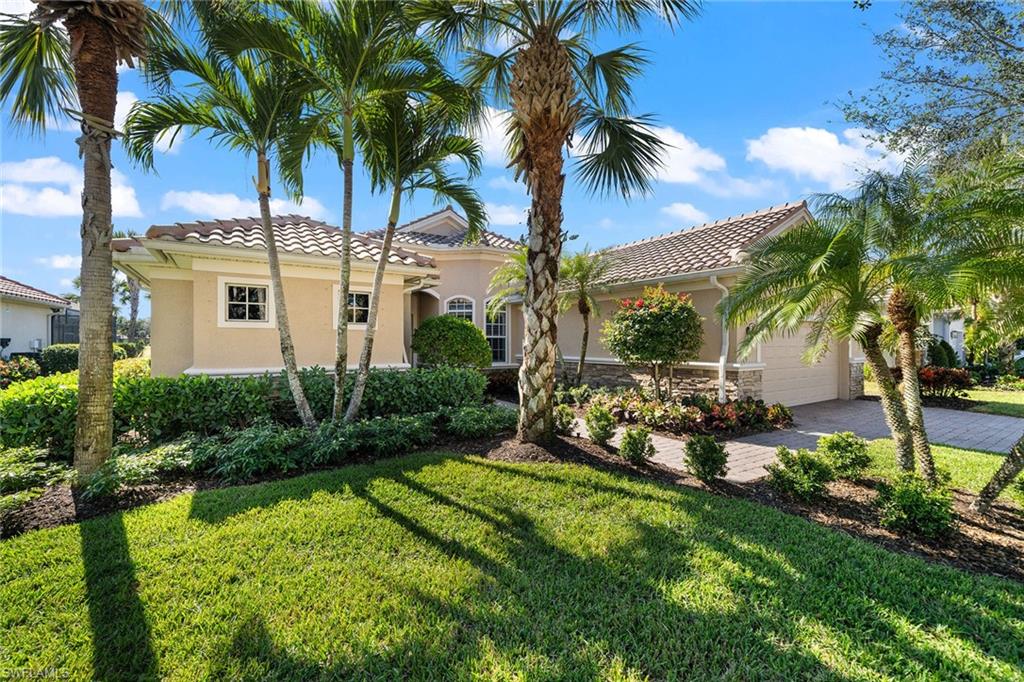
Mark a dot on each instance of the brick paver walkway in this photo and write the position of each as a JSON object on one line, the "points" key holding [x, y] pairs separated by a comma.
{"points": [[748, 456]]}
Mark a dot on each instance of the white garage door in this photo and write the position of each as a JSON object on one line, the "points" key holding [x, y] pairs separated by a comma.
{"points": [[787, 379]]}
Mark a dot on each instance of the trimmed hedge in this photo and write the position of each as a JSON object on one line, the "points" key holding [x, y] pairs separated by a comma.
{"points": [[63, 357], [41, 412], [451, 341]]}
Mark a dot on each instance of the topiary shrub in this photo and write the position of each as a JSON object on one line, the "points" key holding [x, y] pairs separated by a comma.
{"points": [[600, 424], [801, 475], [563, 420], [636, 445], [846, 453], [705, 458], [446, 340], [909, 505], [18, 369]]}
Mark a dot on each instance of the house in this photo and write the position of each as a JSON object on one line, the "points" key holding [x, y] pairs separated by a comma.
{"points": [[212, 312], [949, 326], [31, 319]]}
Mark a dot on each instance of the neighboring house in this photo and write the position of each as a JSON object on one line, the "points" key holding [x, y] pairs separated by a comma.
{"points": [[212, 312], [949, 327], [30, 318]]}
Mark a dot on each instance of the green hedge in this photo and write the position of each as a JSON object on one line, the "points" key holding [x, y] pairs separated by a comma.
{"points": [[445, 340], [41, 412], [63, 357]]}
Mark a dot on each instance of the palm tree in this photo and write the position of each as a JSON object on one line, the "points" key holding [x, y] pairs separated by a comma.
{"points": [[559, 89], [581, 274], [354, 52], [128, 292], [243, 101], [408, 146], [508, 281], [64, 49], [825, 270]]}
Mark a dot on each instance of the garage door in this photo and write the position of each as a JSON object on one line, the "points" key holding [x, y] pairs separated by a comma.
{"points": [[787, 379]]}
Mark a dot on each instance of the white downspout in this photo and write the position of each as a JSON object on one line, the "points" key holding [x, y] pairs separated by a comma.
{"points": [[725, 342]]}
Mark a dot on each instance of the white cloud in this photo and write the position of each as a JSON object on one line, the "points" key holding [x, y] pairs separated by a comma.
{"points": [[227, 205], [685, 160], [20, 193], [67, 282], [725, 185], [61, 261], [505, 214], [506, 183], [820, 155], [686, 212], [491, 136], [606, 223]]}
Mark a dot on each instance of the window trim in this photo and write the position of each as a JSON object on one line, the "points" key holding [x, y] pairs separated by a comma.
{"points": [[222, 303], [336, 299], [472, 302], [507, 336]]}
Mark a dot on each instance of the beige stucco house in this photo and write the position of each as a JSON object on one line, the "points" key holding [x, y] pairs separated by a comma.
{"points": [[212, 310], [31, 319]]}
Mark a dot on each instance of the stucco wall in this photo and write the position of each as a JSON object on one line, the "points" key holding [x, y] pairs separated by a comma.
{"points": [[470, 277], [22, 322], [170, 326]]}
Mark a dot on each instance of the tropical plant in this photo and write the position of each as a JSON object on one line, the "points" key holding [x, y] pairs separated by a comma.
{"points": [[354, 53], [600, 424], [408, 147], [559, 90], [657, 330], [846, 453], [580, 280], [63, 51], [911, 504], [705, 458], [800, 474], [244, 101], [636, 446]]}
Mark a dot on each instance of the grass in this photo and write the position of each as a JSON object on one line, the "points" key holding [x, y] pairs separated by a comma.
{"points": [[1009, 403], [440, 566], [968, 469]]}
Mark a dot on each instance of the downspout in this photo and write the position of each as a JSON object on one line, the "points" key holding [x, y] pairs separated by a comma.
{"points": [[724, 354]]}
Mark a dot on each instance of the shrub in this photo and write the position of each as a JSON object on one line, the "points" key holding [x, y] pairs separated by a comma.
{"points": [[40, 412], [132, 349], [25, 468], [563, 418], [131, 367], [909, 505], [706, 458], [656, 330], [333, 443], [446, 340], [573, 395], [636, 445], [801, 475], [940, 382], [780, 416], [479, 422], [131, 466], [846, 453], [503, 383], [941, 354], [18, 369], [1010, 382], [60, 357], [383, 436], [600, 424], [260, 448]]}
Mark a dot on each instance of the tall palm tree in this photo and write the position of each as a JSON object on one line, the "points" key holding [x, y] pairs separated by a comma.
{"points": [[408, 146], [825, 270], [67, 50], [580, 277], [558, 89], [354, 52], [242, 101]]}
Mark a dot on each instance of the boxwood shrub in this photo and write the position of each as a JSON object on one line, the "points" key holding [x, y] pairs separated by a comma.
{"points": [[41, 412]]}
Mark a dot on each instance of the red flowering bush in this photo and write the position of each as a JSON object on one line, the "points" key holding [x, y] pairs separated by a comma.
{"points": [[940, 382], [697, 414]]}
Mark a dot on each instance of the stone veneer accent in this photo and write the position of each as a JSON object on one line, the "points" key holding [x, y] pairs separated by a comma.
{"points": [[856, 380], [685, 381]]}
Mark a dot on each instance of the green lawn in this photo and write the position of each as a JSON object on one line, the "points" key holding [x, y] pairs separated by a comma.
{"points": [[968, 469], [440, 566], [998, 402]]}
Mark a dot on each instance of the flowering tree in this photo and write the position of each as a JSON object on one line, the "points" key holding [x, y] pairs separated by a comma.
{"points": [[656, 330]]}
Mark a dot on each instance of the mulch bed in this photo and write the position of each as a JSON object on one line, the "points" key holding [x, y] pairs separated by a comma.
{"points": [[991, 545]]}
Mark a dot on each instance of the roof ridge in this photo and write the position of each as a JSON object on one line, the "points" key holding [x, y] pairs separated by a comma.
{"points": [[35, 289], [717, 223]]}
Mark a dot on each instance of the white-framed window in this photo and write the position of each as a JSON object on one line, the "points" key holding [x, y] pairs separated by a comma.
{"points": [[496, 331], [244, 303], [459, 306], [358, 307]]}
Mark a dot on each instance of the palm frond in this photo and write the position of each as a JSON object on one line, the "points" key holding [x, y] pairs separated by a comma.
{"points": [[36, 74], [619, 155]]}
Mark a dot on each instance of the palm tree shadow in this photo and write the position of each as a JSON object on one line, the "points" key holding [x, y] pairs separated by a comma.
{"points": [[121, 642]]}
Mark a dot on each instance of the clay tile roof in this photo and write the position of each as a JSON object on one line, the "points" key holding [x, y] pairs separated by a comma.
{"points": [[295, 234], [15, 289], [706, 247], [487, 238], [124, 244]]}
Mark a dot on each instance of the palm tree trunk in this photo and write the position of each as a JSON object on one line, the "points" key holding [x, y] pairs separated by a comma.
{"points": [[1012, 465], [911, 388], [341, 340], [371, 317], [133, 309], [583, 350], [291, 367], [892, 405], [95, 67]]}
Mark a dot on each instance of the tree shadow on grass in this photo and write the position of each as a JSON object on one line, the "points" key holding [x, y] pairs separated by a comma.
{"points": [[121, 643], [540, 608]]}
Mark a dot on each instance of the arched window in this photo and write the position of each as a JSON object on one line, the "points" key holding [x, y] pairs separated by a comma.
{"points": [[460, 306]]}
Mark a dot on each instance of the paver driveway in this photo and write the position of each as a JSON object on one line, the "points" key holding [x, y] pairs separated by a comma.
{"points": [[748, 456]]}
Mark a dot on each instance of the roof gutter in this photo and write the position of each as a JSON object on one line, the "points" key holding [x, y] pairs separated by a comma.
{"points": [[724, 354]]}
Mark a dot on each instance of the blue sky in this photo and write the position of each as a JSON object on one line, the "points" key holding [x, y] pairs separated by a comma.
{"points": [[745, 94]]}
